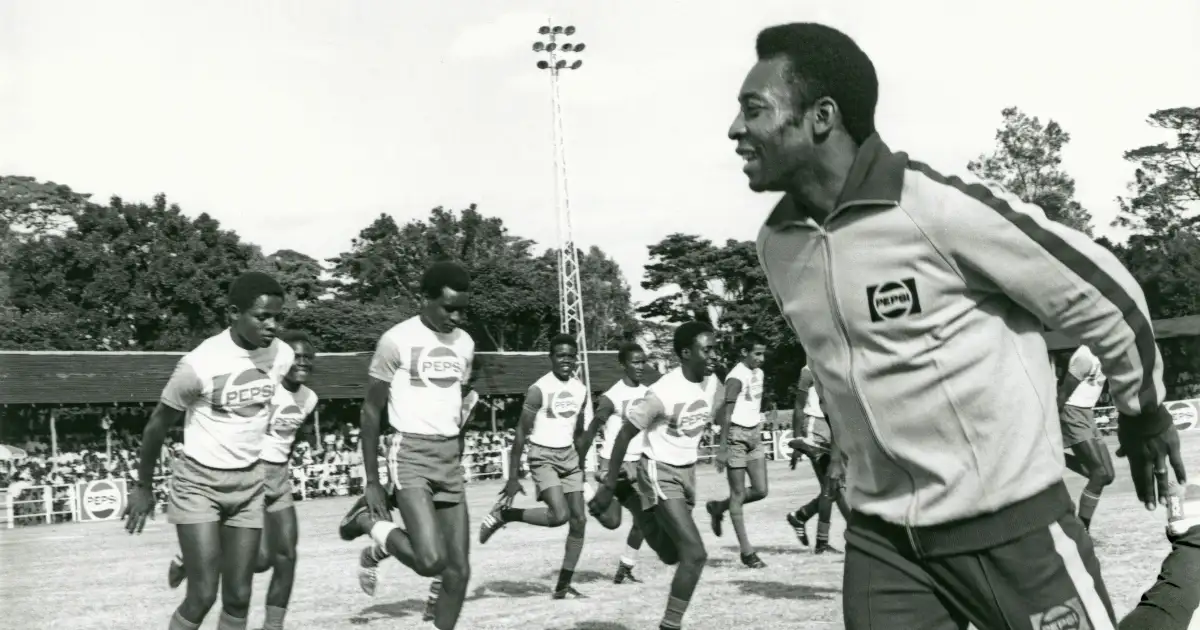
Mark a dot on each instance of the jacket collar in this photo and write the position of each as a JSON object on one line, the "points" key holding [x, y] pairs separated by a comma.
{"points": [[876, 178]]}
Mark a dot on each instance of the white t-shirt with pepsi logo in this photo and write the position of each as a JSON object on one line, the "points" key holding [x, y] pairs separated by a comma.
{"points": [[426, 371], [290, 409], [622, 397], [748, 407], [554, 425], [674, 415], [226, 392]]}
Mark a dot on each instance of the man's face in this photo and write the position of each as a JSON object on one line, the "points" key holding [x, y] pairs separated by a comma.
{"points": [[449, 311], [635, 366], [563, 359], [702, 354], [302, 366], [755, 356], [257, 324], [773, 138]]}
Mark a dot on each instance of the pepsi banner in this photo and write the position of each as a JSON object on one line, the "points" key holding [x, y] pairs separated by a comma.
{"points": [[101, 500], [1185, 412]]}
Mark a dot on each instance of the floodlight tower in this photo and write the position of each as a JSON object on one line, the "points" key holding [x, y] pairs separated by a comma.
{"points": [[559, 56]]}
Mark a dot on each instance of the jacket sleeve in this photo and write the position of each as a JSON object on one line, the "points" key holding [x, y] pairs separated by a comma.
{"points": [[1002, 244], [1171, 603]]}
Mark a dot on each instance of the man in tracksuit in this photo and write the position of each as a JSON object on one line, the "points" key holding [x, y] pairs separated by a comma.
{"points": [[920, 301]]}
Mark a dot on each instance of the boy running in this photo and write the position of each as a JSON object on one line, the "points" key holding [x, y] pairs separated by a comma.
{"points": [[552, 421], [813, 438], [740, 452], [612, 410], [417, 375], [1077, 395], [222, 391], [677, 410]]}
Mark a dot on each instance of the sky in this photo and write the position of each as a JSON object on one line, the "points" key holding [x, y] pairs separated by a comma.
{"points": [[296, 123]]}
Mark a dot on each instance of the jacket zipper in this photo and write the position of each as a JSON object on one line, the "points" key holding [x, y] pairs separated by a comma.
{"points": [[841, 321]]}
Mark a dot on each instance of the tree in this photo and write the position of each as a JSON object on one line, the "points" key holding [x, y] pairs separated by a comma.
{"points": [[143, 277], [29, 210], [1027, 161], [345, 325], [608, 314], [43, 331], [699, 280], [514, 304], [300, 275], [1166, 184]]}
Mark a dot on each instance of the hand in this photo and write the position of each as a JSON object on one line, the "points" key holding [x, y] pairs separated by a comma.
{"points": [[722, 459], [601, 502], [835, 477], [581, 447], [141, 505], [1149, 454], [510, 491], [377, 501]]}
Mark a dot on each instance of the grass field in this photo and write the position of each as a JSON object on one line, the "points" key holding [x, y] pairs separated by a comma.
{"points": [[95, 577]]}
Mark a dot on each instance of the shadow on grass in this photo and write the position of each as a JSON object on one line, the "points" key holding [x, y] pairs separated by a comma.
{"points": [[393, 610], [581, 577], [781, 590], [509, 588], [775, 550], [598, 625]]}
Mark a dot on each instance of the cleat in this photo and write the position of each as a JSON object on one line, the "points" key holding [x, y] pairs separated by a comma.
{"points": [[563, 592], [752, 561], [491, 524], [435, 589], [826, 548], [368, 569], [714, 510], [176, 574], [349, 529], [625, 573], [798, 526]]}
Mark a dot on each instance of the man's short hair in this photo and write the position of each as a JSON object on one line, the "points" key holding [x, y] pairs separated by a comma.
{"points": [[442, 275], [749, 340], [249, 286], [626, 350], [293, 335], [564, 339], [824, 61], [687, 333]]}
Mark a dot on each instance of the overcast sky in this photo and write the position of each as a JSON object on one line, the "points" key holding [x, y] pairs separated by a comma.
{"points": [[296, 123]]}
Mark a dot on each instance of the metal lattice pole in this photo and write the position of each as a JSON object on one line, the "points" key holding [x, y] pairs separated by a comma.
{"points": [[558, 57]]}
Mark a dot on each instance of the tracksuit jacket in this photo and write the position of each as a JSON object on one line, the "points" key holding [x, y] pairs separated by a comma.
{"points": [[921, 301]]}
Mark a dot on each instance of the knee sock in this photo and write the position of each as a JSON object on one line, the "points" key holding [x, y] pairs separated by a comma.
{"points": [[379, 552], [435, 589], [808, 510], [178, 559], [1087, 506], [179, 623], [274, 619], [673, 618], [629, 558], [570, 559], [227, 622], [822, 532], [532, 516]]}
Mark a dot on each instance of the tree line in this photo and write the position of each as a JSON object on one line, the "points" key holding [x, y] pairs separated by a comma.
{"points": [[81, 275]]}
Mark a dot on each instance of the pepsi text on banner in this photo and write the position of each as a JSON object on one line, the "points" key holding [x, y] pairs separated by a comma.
{"points": [[102, 500]]}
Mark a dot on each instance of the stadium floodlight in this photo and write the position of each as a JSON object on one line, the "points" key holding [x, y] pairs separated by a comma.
{"points": [[538, 47], [557, 30], [559, 55], [551, 47], [570, 30], [560, 64], [578, 47], [545, 30], [566, 47], [575, 66], [543, 64]]}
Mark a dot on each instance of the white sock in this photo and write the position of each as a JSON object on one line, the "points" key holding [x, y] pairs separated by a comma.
{"points": [[630, 556], [179, 557], [380, 531]]}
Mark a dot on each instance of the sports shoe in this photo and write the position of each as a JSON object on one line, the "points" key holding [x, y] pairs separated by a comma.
{"points": [[368, 568], [176, 573], [565, 591], [491, 524], [714, 511], [824, 547], [349, 529], [799, 527], [435, 589], [752, 561], [625, 573]]}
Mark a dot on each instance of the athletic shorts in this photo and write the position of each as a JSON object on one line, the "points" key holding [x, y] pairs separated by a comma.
{"points": [[200, 494], [745, 446], [278, 487], [555, 467], [659, 481], [432, 463], [626, 478], [820, 433], [1046, 577], [1078, 425]]}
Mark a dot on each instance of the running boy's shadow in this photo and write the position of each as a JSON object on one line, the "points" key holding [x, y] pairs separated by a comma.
{"points": [[395, 610], [580, 577], [791, 550], [509, 588], [781, 590], [596, 625]]}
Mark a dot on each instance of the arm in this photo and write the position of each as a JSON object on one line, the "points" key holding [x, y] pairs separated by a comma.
{"points": [[799, 426], [733, 389], [1065, 388], [580, 417], [642, 415], [604, 409], [1172, 601], [387, 360], [529, 411], [1064, 279], [182, 390]]}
